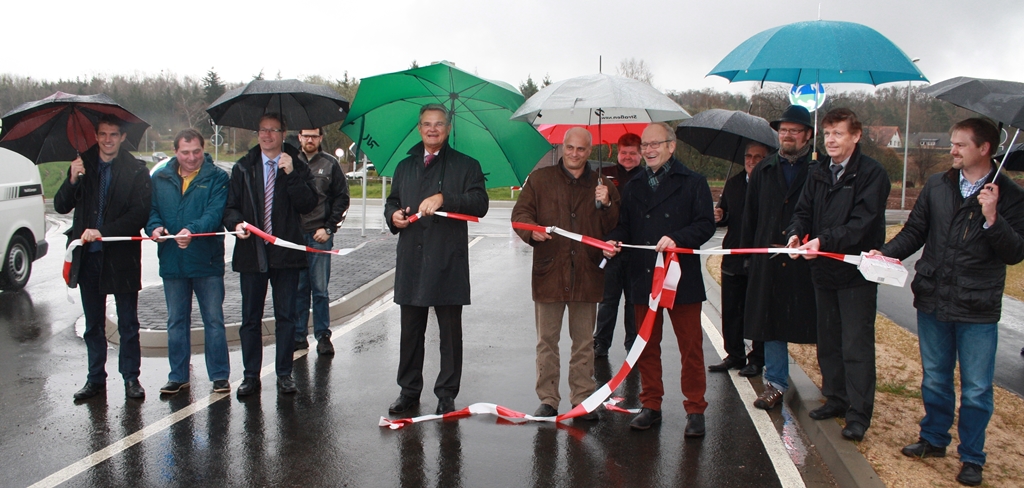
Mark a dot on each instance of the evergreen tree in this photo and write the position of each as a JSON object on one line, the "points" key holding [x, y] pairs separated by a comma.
{"points": [[213, 87]]}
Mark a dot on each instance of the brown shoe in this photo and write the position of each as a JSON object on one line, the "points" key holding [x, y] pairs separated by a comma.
{"points": [[768, 398]]}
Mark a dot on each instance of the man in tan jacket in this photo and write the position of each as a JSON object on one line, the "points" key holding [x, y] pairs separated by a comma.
{"points": [[566, 273]]}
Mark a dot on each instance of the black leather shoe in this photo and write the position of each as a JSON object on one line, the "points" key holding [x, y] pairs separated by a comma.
{"points": [[249, 386], [590, 416], [600, 350], [172, 387], [694, 425], [545, 410], [285, 384], [403, 404], [90, 390], [751, 370], [923, 449], [132, 389], [729, 363], [303, 344], [970, 474], [221, 386], [854, 431], [445, 405], [645, 419], [324, 346], [827, 411]]}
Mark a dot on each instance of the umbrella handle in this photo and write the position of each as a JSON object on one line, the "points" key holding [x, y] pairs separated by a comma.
{"points": [[597, 203]]}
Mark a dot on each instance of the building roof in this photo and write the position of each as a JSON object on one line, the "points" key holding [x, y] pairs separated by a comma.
{"points": [[882, 135]]}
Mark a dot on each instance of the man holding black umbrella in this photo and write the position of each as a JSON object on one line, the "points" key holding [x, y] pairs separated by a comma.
{"points": [[109, 190], [268, 189], [780, 296], [432, 267]]}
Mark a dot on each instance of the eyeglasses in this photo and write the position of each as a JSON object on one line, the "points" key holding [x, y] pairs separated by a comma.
{"points": [[307, 136], [791, 131], [652, 145], [269, 131], [436, 125]]}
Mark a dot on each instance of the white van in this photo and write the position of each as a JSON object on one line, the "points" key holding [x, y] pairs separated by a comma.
{"points": [[22, 219]]}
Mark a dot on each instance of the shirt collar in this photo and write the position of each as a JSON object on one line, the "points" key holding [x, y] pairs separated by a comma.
{"points": [[267, 160]]}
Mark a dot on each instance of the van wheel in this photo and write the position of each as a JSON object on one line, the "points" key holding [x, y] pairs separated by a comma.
{"points": [[17, 266]]}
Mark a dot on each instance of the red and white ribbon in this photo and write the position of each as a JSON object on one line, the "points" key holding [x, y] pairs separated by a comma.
{"points": [[449, 215], [663, 290]]}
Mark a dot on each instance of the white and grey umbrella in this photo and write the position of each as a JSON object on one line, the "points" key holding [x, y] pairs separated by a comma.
{"points": [[596, 99]]}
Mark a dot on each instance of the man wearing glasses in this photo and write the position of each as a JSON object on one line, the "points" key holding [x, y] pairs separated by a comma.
{"points": [[268, 190], [432, 265], [318, 228], [780, 305], [668, 206]]}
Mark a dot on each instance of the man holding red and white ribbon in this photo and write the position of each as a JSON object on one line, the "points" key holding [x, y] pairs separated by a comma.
{"points": [[269, 189], [668, 206], [432, 264], [566, 272]]}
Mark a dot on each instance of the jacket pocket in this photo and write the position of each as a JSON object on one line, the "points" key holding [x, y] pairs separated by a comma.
{"points": [[543, 267], [924, 279], [979, 294]]}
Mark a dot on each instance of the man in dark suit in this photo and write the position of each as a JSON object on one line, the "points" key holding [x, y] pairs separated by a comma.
{"points": [[432, 268], [668, 206], [729, 214], [109, 190]]}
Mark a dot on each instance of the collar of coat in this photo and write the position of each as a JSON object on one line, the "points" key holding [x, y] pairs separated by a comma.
{"points": [[417, 151], [92, 156], [252, 158], [777, 160], [953, 177], [587, 175], [823, 173], [318, 155]]}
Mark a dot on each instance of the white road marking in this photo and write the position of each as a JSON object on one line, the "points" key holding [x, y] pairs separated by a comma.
{"points": [[789, 475], [160, 425]]}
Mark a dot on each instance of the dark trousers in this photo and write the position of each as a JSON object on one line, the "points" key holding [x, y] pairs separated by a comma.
{"points": [[685, 318], [285, 283], [94, 304], [846, 348], [410, 361], [734, 299], [614, 285]]}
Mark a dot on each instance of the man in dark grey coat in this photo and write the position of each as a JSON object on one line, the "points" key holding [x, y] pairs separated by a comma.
{"points": [[432, 268], [110, 192], [780, 296], [971, 225], [842, 210]]}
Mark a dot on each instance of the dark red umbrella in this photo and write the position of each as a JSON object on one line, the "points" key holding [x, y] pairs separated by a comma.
{"points": [[61, 126]]}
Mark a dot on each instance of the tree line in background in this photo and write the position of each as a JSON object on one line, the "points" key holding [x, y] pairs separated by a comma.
{"points": [[170, 103]]}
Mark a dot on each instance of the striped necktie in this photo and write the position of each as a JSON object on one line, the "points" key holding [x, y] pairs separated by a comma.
{"points": [[268, 197]]}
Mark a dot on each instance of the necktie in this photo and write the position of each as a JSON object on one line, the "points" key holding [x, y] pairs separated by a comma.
{"points": [[428, 159], [268, 198], [836, 168], [104, 189]]}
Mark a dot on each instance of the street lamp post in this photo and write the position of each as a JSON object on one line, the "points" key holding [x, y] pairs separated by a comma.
{"points": [[906, 149]]}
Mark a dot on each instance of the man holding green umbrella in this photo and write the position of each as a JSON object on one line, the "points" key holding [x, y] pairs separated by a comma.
{"points": [[432, 268]]}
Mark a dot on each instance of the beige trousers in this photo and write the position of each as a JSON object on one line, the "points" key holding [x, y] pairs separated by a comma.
{"points": [[582, 316]]}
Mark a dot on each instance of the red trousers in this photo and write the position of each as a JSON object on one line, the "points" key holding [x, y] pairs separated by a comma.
{"points": [[686, 324]]}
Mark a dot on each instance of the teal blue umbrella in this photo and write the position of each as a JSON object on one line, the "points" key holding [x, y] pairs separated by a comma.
{"points": [[385, 113], [818, 51]]}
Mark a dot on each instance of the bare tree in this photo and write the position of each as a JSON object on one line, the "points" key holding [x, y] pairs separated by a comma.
{"points": [[636, 69], [926, 160]]}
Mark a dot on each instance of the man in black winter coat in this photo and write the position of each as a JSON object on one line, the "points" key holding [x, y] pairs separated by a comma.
{"points": [[110, 192], [842, 210], [971, 225], [268, 189], [432, 264], [729, 214]]}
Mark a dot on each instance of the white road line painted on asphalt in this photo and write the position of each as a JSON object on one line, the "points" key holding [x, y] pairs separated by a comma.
{"points": [[789, 475], [199, 405]]}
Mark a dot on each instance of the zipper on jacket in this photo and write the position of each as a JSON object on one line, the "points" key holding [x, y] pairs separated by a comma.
{"points": [[968, 226]]}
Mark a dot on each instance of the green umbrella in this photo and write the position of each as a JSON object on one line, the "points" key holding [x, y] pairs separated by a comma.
{"points": [[384, 116]]}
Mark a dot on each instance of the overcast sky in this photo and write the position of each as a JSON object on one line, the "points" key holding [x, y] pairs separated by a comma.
{"points": [[680, 40]]}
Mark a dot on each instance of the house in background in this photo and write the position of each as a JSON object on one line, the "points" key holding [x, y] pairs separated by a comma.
{"points": [[930, 140], [884, 135]]}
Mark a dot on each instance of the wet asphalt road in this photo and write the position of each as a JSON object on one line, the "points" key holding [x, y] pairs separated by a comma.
{"points": [[327, 434]]}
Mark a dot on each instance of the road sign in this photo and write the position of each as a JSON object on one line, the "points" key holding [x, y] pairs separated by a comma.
{"points": [[804, 95]]}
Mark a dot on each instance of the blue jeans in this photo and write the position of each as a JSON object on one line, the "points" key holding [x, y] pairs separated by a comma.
{"points": [[209, 291], [776, 364], [315, 279], [974, 345]]}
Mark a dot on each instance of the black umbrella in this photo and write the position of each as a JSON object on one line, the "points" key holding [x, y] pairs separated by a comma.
{"points": [[302, 105], [60, 126], [1000, 100], [726, 133], [1014, 158]]}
